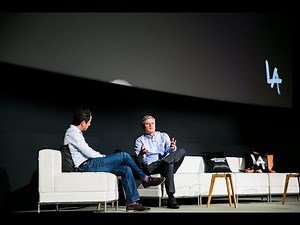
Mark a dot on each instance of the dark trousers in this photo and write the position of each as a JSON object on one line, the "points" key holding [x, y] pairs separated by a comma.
{"points": [[167, 167]]}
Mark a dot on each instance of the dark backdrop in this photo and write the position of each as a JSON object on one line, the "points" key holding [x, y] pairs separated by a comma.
{"points": [[220, 56], [37, 106]]}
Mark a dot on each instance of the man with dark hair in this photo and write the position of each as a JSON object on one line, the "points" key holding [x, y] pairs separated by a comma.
{"points": [[157, 153], [86, 159]]}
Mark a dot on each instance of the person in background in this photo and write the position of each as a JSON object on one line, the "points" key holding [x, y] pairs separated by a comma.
{"points": [[157, 153], [86, 159]]}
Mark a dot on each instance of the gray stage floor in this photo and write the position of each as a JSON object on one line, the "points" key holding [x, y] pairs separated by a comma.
{"points": [[252, 210], [217, 205]]}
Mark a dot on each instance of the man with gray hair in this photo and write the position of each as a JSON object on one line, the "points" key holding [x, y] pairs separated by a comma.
{"points": [[157, 153]]}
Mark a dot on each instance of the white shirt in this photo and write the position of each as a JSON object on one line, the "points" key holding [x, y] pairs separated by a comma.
{"points": [[80, 150]]}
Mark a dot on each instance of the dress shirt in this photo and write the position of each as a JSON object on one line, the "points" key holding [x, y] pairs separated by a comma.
{"points": [[80, 150], [158, 146]]}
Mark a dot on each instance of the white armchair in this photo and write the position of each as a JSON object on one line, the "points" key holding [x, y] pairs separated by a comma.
{"points": [[57, 187]]}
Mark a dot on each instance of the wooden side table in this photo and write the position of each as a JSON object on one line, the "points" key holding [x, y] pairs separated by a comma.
{"points": [[287, 178], [228, 179]]}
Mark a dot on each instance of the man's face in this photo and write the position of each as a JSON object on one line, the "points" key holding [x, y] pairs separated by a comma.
{"points": [[149, 126], [85, 125]]}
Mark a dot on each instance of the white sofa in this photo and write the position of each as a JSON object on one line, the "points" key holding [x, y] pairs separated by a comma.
{"points": [[191, 180], [277, 182], [187, 182], [57, 187]]}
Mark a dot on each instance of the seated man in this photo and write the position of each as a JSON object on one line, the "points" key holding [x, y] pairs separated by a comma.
{"points": [[157, 153], [121, 164]]}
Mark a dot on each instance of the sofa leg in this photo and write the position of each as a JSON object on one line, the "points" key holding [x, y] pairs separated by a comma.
{"points": [[98, 206], [117, 205]]}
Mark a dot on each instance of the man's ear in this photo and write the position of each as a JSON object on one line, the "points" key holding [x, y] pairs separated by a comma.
{"points": [[82, 123]]}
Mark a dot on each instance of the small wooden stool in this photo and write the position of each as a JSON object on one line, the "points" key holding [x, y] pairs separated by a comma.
{"points": [[228, 180], [287, 178]]}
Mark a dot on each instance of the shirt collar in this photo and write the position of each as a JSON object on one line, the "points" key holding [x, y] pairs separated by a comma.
{"points": [[75, 128]]}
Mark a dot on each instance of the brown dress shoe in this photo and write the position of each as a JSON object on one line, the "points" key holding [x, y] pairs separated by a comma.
{"points": [[136, 207], [154, 181]]}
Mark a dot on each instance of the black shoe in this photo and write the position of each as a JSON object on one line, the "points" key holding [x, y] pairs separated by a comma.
{"points": [[136, 207], [153, 181], [172, 204]]}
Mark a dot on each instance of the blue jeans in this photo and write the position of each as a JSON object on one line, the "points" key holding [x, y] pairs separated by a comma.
{"points": [[120, 164]]}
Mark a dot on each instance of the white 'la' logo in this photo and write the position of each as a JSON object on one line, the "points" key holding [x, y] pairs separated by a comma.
{"points": [[275, 78]]}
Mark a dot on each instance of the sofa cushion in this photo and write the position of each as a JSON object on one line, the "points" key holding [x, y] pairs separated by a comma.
{"points": [[257, 162], [271, 163], [67, 161], [190, 164], [215, 162], [236, 164]]}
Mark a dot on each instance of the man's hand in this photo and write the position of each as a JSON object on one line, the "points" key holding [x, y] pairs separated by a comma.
{"points": [[143, 150], [173, 144]]}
